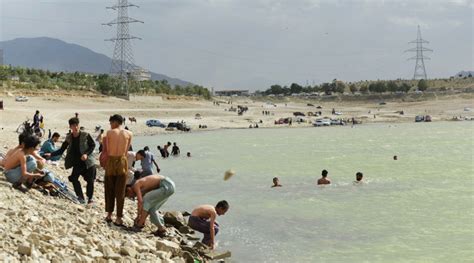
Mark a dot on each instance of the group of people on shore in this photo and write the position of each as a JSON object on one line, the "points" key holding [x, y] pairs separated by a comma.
{"points": [[121, 180]]}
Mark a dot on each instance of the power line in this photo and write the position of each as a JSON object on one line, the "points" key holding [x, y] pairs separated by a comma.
{"points": [[420, 71], [123, 64]]}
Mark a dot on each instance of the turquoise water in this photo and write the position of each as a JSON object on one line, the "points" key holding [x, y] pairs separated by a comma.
{"points": [[416, 209]]}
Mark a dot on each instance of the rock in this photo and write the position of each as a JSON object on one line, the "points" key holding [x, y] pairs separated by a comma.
{"points": [[188, 258], [168, 246], [128, 251], [214, 255], [178, 260], [95, 254], [162, 254], [175, 219], [185, 229], [24, 249], [192, 237]]}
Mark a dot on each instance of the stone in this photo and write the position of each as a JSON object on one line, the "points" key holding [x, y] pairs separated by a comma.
{"points": [[185, 229], [214, 255], [168, 246], [178, 260], [175, 219], [24, 249], [188, 258], [192, 237], [128, 251], [95, 254]]}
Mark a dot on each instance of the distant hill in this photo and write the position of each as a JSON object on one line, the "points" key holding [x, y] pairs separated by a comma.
{"points": [[57, 55], [462, 74]]}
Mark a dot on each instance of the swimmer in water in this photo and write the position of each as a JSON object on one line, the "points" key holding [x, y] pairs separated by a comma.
{"points": [[324, 179], [276, 182], [395, 157], [359, 177]]}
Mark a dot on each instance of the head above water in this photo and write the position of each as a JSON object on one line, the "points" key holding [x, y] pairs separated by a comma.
{"points": [[174, 143], [395, 157], [188, 154], [324, 173], [146, 148], [276, 180], [222, 207], [169, 144], [359, 176]]}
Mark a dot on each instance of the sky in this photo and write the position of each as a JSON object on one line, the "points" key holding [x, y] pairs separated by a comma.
{"points": [[253, 44]]}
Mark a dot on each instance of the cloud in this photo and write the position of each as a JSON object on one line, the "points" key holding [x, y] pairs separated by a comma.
{"points": [[407, 21]]}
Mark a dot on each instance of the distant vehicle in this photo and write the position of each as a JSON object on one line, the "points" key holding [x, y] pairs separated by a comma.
{"points": [[382, 103], [418, 92], [467, 109], [310, 105], [298, 114], [419, 118], [427, 118], [322, 122], [21, 98], [283, 121], [177, 126], [319, 107], [337, 113], [337, 122], [155, 123]]}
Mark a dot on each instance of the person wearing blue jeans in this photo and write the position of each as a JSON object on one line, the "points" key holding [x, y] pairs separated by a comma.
{"points": [[152, 192], [203, 219]]}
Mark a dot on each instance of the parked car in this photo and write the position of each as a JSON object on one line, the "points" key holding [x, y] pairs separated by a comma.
{"points": [[283, 121], [427, 118], [322, 122], [21, 98], [419, 118], [155, 123], [298, 113], [177, 126], [337, 122]]}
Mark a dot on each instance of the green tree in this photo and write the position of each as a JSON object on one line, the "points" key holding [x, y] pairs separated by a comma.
{"points": [[295, 88], [392, 86], [405, 87], [422, 85], [364, 89], [353, 88]]}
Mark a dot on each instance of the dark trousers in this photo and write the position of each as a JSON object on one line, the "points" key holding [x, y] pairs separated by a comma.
{"points": [[89, 177], [203, 226], [115, 190]]}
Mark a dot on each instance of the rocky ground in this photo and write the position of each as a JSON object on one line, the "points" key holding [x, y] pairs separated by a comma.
{"points": [[40, 228]]}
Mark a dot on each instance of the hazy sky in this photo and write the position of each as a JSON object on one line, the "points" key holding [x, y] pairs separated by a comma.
{"points": [[251, 44]]}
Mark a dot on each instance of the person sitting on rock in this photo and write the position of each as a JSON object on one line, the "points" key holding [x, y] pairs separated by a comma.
{"points": [[203, 219], [324, 180], [276, 182], [151, 192], [49, 147], [20, 166]]}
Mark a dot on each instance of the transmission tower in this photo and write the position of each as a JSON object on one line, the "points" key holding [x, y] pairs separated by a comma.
{"points": [[420, 71], [123, 65]]}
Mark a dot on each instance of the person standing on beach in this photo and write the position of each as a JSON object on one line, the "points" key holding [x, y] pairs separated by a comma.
{"points": [[324, 180], [175, 151], [80, 157], [117, 142], [203, 219], [151, 192]]}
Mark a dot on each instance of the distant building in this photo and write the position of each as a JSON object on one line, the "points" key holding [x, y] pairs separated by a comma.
{"points": [[142, 74], [232, 93]]}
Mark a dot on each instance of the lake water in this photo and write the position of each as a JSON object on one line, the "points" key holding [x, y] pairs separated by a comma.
{"points": [[416, 209]]}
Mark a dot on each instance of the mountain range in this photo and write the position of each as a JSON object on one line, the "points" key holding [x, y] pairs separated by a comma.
{"points": [[56, 55]]}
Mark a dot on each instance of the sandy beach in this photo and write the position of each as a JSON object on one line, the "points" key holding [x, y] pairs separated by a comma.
{"points": [[42, 228]]}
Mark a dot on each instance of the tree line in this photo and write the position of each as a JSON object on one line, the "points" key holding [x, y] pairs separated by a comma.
{"points": [[340, 87], [102, 83]]}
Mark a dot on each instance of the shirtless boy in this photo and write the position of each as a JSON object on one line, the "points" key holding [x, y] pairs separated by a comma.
{"points": [[117, 141], [203, 219], [152, 192], [324, 179], [19, 164], [276, 182]]}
